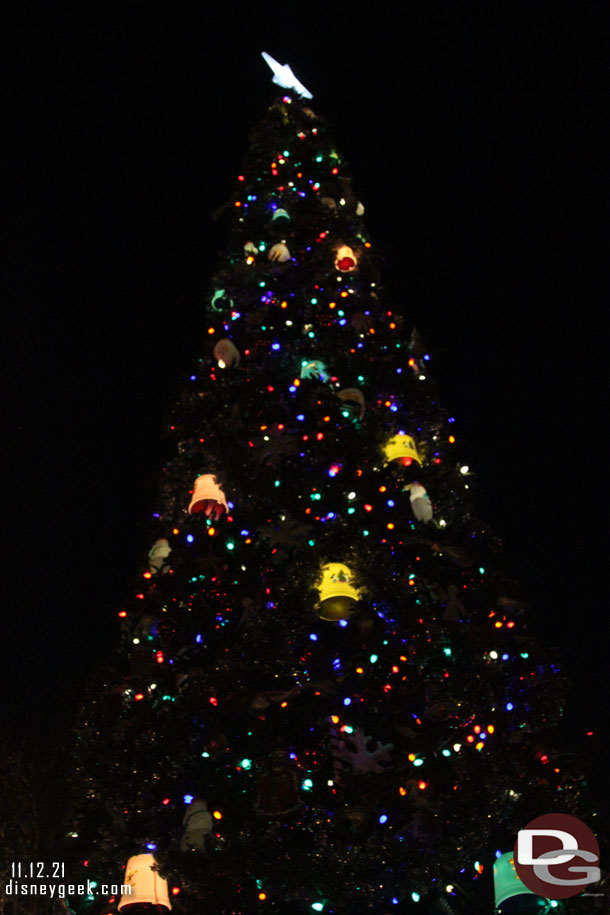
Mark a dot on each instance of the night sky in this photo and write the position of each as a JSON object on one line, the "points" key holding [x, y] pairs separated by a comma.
{"points": [[473, 133]]}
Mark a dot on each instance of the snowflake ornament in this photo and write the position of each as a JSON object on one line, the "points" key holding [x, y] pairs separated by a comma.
{"points": [[359, 754]]}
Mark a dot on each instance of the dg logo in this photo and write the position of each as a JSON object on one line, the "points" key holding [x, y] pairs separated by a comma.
{"points": [[557, 856]]}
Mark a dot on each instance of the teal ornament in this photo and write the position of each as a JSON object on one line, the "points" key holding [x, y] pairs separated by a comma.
{"points": [[313, 369], [511, 894], [220, 301]]}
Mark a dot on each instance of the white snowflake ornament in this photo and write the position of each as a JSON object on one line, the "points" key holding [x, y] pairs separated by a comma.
{"points": [[359, 754]]}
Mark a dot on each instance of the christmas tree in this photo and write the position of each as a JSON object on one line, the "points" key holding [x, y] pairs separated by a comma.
{"points": [[326, 697]]}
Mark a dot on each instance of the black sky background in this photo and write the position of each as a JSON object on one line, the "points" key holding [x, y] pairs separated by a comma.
{"points": [[474, 134]]}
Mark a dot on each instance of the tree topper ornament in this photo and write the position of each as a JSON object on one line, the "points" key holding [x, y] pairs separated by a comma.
{"points": [[284, 77]]}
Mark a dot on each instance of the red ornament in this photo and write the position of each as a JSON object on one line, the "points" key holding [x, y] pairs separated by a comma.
{"points": [[346, 263]]}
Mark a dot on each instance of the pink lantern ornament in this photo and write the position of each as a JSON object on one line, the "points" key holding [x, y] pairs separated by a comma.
{"points": [[208, 497]]}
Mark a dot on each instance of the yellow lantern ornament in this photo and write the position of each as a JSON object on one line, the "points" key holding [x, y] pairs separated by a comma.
{"points": [[145, 885], [337, 593], [402, 448], [208, 497]]}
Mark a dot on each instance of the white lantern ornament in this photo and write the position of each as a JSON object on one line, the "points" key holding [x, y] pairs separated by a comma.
{"points": [[197, 824], [345, 259], [158, 554], [279, 252], [226, 353], [420, 502], [208, 497], [146, 886]]}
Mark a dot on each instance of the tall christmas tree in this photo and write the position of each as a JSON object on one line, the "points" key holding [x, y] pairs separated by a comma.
{"points": [[326, 697]]}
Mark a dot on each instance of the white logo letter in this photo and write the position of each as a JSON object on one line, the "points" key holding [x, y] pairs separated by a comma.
{"points": [[525, 842]]}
